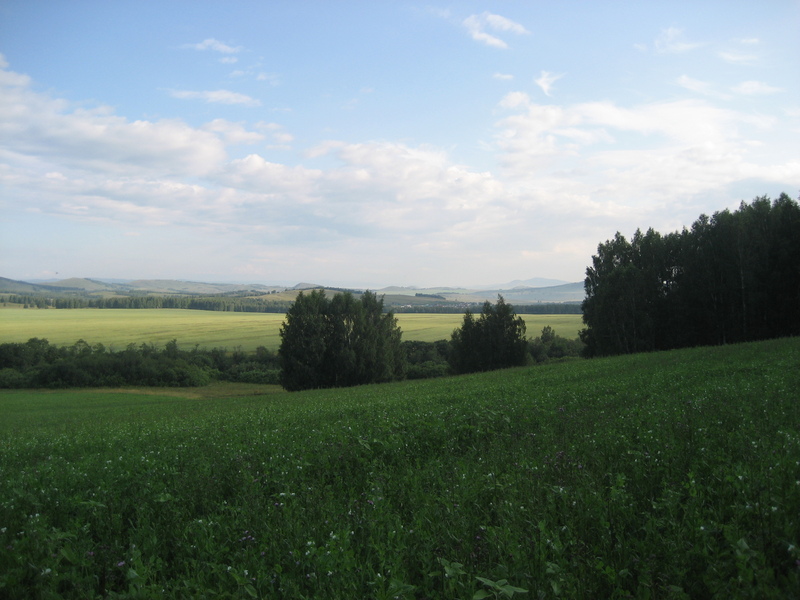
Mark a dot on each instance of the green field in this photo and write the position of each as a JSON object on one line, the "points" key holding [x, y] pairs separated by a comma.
{"points": [[116, 328], [662, 475]]}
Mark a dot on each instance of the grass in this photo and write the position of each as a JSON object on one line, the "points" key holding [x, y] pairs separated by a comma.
{"points": [[117, 328], [666, 475]]}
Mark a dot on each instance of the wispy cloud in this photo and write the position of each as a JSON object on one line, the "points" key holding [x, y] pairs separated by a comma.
{"points": [[752, 88], [214, 45], [671, 41], [476, 25], [737, 58], [503, 76], [233, 133], [546, 81], [700, 87], [216, 97]]}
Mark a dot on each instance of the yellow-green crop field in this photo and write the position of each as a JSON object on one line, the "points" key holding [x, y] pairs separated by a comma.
{"points": [[116, 328]]}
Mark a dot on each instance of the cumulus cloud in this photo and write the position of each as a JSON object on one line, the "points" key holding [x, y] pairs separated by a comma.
{"points": [[476, 25], [546, 81], [565, 172], [621, 159], [216, 97]]}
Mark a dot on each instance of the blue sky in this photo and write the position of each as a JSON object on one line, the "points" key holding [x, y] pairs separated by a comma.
{"points": [[380, 143]]}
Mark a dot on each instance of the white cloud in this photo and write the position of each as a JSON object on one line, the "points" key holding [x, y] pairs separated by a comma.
{"points": [[216, 97], [503, 76], [228, 60], [737, 58], [476, 25], [546, 81], [503, 24], [751, 88], [214, 45], [601, 165], [281, 139], [633, 157], [233, 133], [271, 78], [671, 41], [700, 87]]}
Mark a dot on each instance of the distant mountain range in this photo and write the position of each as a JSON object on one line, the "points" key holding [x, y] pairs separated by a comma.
{"points": [[516, 292]]}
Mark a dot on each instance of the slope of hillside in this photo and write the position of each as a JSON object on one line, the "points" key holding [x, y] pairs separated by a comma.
{"points": [[661, 475]]}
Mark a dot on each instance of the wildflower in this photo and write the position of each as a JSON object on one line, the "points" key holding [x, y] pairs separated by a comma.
{"points": [[121, 563]]}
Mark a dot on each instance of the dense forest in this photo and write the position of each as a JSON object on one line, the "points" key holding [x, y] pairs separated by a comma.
{"points": [[732, 277]]}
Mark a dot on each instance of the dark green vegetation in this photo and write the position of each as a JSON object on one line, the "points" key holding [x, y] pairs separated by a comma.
{"points": [[659, 475], [40, 364], [495, 340], [37, 363], [730, 278], [339, 342]]}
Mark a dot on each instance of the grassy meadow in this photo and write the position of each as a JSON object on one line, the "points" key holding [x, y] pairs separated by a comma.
{"points": [[663, 475], [116, 328]]}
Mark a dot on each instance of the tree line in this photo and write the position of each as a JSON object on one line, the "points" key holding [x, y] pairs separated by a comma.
{"points": [[255, 304], [38, 363], [213, 303], [732, 277]]}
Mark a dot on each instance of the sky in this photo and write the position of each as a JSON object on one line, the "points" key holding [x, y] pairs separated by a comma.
{"points": [[375, 143]]}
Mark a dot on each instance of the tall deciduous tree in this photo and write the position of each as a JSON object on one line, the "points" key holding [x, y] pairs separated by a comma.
{"points": [[732, 277], [494, 341], [339, 342]]}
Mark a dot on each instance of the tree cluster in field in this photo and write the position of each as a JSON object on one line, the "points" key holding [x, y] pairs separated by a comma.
{"points": [[336, 342], [37, 363], [342, 342], [339, 342], [549, 346], [733, 277], [495, 340]]}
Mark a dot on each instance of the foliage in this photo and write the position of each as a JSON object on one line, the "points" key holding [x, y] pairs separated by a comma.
{"points": [[426, 359], [494, 341], [549, 346], [659, 475], [37, 363], [339, 342], [731, 278]]}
